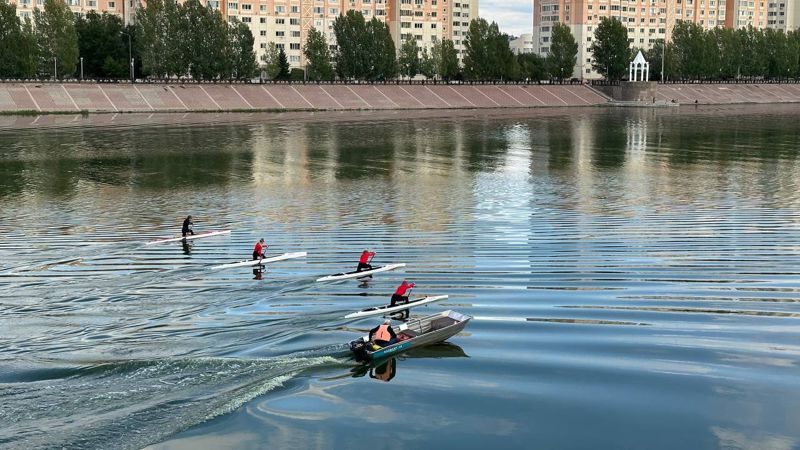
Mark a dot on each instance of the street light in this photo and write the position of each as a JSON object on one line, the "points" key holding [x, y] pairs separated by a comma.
{"points": [[55, 68], [130, 54], [81, 68]]}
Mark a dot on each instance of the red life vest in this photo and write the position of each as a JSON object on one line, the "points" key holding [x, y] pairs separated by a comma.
{"points": [[259, 248], [383, 333]]}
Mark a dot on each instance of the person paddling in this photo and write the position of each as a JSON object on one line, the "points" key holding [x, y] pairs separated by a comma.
{"points": [[363, 262], [259, 249], [187, 226], [401, 294], [383, 335]]}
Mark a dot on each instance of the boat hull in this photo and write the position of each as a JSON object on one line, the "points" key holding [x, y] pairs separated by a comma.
{"points": [[362, 274]]}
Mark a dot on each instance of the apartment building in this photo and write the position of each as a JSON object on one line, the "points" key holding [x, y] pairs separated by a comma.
{"points": [[783, 15], [523, 44], [287, 22], [647, 21]]}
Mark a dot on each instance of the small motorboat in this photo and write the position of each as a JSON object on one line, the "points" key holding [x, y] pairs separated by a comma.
{"points": [[414, 333]]}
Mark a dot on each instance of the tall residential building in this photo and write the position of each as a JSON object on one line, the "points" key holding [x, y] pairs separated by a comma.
{"points": [[648, 21], [746, 13], [287, 22], [783, 14]]}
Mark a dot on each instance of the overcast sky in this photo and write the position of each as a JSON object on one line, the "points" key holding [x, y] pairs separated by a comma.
{"points": [[513, 16]]}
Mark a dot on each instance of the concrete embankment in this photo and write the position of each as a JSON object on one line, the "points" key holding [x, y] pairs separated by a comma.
{"points": [[72, 97], [91, 97]]}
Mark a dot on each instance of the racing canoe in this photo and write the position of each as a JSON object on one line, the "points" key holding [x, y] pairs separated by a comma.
{"points": [[386, 309], [260, 262], [362, 274], [189, 237]]}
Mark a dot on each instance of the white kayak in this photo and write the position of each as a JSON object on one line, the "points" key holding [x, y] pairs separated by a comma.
{"points": [[259, 262], [386, 309], [362, 274], [189, 237]]}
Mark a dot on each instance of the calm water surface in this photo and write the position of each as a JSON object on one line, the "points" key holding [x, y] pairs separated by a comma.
{"points": [[634, 277]]}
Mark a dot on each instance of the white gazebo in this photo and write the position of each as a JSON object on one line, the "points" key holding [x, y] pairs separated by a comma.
{"points": [[639, 68]]}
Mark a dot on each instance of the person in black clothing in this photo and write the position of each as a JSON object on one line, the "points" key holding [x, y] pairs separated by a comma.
{"points": [[187, 226], [383, 335]]}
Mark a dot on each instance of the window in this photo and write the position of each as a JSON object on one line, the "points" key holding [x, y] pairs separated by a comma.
{"points": [[263, 32], [280, 9], [319, 10], [247, 7], [295, 9], [405, 24], [263, 45], [111, 5], [233, 5], [294, 46], [417, 13], [294, 21], [279, 33], [433, 26], [262, 20], [262, 8], [365, 12], [333, 11], [91, 3], [279, 21], [280, 46], [295, 34], [247, 19], [294, 59], [418, 25]]}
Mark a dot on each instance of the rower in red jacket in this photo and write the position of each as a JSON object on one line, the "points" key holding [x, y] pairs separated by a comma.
{"points": [[363, 262], [259, 249], [401, 294]]}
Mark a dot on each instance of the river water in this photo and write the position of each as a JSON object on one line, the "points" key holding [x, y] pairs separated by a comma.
{"points": [[633, 274]]}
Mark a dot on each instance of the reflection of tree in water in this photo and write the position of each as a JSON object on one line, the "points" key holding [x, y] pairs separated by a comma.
{"points": [[610, 139], [53, 162]]}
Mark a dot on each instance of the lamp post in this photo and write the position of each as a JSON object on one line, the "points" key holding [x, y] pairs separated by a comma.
{"points": [[55, 68], [130, 53], [81, 68]]}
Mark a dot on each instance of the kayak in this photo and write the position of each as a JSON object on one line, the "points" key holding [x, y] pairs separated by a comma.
{"points": [[412, 334], [362, 274], [189, 237], [386, 309], [260, 262]]}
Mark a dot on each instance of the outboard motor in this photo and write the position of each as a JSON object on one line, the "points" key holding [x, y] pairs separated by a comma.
{"points": [[359, 349]]}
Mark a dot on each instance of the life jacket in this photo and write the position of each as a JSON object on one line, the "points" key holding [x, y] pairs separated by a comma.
{"points": [[383, 333], [258, 248], [365, 257]]}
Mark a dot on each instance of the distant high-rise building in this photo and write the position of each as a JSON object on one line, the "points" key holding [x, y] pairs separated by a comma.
{"points": [[783, 15]]}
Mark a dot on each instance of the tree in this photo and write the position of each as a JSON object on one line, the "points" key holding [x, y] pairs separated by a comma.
{"points": [[283, 65], [101, 46], [427, 65], [318, 56], [271, 59], [380, 51], [610, 49], [56, 38], [351, 38], [409, 58], [10, 35], [533, 67], [243, 57], [563, 52], [488, 55], [448, 60]]}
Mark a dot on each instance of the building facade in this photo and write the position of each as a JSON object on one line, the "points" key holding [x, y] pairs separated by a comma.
{"points": [[522, 44], [287, 22], [652, 21]]}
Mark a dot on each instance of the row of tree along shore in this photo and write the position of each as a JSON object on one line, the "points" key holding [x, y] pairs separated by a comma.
{"points": [[192, 41]]}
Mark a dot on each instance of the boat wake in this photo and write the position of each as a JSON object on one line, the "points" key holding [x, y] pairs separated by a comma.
{"points": [[130, 404]]}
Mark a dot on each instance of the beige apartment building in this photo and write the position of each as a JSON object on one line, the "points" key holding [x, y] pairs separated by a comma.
{"points": [[651, 21], [287, 22]]}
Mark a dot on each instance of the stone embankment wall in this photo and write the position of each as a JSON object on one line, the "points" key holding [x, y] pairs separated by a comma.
{"points": [[73, 97], [728, 94]]}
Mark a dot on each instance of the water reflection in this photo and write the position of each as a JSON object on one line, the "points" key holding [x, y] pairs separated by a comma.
{"points": [[386, 369]]}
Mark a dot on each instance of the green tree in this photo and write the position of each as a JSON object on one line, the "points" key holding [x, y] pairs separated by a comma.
{"points": [[488, 56], [28, 51], [56, 38], [409, 58], [533, 67], [427, 65], [283, 65], [10, 36], [563, 52], [271, 60], [610, 49], [243, 58], [448, 67], [380, 51], [318, 56], [101, 45], [693, 51], [352, 41]]}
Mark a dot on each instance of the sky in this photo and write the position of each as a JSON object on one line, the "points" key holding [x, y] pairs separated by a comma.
{"points": [[513, 16]]}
